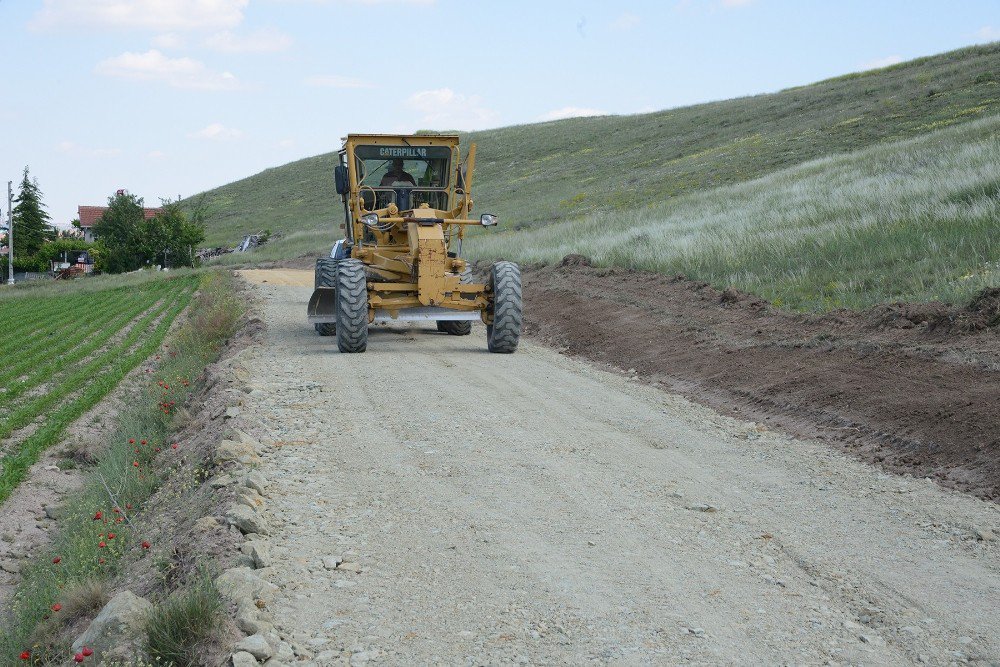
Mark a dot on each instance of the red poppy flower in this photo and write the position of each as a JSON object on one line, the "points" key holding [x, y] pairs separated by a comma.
{"points": [[111, 536], [135, 464], [57, 559], [25, 655], [78, 657], [102, 544], [98, 516], [173, 446], [142, 442], [87, 651], [145, 544], [56, 607], [129, 506], [131, 441], [101, 561]]}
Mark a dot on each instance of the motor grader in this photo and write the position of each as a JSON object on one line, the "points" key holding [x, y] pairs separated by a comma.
{"points": [[407, 205]]}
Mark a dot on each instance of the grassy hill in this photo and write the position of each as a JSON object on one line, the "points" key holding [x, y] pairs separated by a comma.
{"points": [[596, 181], [532, 174]]}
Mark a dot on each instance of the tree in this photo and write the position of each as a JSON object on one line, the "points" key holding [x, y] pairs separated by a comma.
{"points": [[127, 241], [31, 222], [118, 233]]}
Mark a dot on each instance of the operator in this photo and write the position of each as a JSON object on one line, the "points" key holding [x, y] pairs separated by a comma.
{"points": [[396, 174]]}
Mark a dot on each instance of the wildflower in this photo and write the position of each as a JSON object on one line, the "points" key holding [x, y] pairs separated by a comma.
{"points": [[145, 544], [98, 516], [111, 536], [128, 506], [56, 607], [87, 651], [131, 441], [142, 442], [25, 655], [173, 446], [102, 544], [57, 559], [79, 657], [135, 464], [101, 561]]}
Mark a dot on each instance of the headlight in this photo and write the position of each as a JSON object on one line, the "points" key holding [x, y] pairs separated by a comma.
{"points": [[370, 220], [488, 219]]}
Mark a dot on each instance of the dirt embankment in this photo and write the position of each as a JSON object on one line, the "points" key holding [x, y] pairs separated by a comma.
{"points": [[911, 387]]}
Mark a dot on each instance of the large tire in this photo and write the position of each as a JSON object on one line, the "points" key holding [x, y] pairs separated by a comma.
{"points": [[451, 327], [326, 276], [455, 327], [352, 306], [505, 308]]}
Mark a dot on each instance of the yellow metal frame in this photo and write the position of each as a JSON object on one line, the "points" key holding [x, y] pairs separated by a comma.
{"points": [[410, 255]]}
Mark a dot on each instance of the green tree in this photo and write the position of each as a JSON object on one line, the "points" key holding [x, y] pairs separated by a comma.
{"points": [[118, 233], [127, 241], [31, 222], [170, 238]]}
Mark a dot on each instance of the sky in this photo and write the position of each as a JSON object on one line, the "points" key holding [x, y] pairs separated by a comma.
{"points": [[169, 98]]}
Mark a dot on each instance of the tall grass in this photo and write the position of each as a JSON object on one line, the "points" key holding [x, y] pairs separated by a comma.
{"points": [[913, 220]]}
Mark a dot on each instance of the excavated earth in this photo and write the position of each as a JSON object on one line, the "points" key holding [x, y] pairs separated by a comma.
{"points": [[431, 503], [913, 388]]}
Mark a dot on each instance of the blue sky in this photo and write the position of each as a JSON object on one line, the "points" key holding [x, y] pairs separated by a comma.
{"points": [[172, 97]]}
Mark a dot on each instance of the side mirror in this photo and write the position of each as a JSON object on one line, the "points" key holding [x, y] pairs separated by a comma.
{"points": [[340, 179]]}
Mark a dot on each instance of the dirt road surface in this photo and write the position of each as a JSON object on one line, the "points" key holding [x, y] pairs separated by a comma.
{"points": [[532, 508]]}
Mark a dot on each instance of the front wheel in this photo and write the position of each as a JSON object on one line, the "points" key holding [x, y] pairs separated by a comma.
{"points": [[352, 306], [503, 334]]}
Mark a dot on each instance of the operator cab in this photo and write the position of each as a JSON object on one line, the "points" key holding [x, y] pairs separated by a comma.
{"points": [[407, 176]]}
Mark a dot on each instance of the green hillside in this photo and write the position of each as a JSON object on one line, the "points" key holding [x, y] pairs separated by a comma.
{"points": [[537, 174]]}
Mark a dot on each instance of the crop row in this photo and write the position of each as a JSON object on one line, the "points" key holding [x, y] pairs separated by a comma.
{"points": [[24, 414], [52, 317], [46, 361], [97, 378]]}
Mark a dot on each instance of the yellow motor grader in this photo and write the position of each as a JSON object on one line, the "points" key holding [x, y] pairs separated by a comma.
{"points": [[407, 204]]}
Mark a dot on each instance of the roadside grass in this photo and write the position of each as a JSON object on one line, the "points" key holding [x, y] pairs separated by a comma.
{"points": [[533, 175], [101, 528], [181, 624], [915, 220]]}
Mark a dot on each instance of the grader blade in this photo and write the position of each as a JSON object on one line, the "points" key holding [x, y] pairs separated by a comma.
{"points": [[323, 306]]}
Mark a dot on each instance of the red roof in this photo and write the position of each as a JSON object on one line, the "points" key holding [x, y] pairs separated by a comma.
{"points": [[90, 214]]}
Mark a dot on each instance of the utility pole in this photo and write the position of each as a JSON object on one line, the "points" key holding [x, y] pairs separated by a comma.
{"points": [[10, 234]]}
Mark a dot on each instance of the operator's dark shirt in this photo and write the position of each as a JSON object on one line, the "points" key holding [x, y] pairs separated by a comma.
{"points": [[391, 178]]}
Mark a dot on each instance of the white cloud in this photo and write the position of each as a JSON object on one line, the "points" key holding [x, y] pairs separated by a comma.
{"points": [[988, 33], [444, 109], [158, 15], [626, 21], [169, 40], [336, 81], [878, 63], [571, 112], [217, 132], [177, 72], [266, 40], [76, 150]]}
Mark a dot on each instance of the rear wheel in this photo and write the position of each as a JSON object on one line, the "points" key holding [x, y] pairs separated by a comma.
{"points": [[454, 328], [326, 276], [505, 310], [451, 327], [352, 306]]}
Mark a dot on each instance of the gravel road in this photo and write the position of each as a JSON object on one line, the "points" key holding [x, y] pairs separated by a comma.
{"points": [[535, 509]]}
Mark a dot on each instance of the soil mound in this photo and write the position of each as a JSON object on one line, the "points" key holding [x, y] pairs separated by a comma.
{"points": [[909, 386]]}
